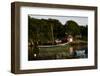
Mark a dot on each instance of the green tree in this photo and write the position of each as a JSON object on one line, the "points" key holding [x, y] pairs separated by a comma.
{"points": [[58, 28], [39, 30], [72, 28], [84, 32]]}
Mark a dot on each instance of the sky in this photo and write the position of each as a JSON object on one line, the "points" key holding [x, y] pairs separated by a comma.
{"points": [[82, 21]]}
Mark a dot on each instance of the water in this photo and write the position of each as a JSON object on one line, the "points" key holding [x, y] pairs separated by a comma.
{"points": [[59, 52]]}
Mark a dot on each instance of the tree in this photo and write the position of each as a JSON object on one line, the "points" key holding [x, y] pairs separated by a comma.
{"points": [[72, 28], [39, 30], [32, 29], [84, 32], [58, 28]]}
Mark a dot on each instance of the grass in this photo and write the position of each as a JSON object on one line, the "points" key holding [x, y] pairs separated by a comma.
{"points": [[58, 51], [54, 49], [55, 52]]}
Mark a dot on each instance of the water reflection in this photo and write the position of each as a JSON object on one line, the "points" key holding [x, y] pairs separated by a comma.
{"points": [[58, 52]]}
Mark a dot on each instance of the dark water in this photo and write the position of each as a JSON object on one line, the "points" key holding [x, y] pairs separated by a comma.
{"points": [[58, 52]]}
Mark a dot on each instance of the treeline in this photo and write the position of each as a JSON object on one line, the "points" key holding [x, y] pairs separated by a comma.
{"points": [[47, 30]]}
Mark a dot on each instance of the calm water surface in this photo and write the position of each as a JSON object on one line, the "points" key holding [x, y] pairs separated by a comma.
{"points": [[58, 52]]}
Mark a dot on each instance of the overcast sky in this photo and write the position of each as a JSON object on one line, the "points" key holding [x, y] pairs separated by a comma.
{"points": [[80, 20]]}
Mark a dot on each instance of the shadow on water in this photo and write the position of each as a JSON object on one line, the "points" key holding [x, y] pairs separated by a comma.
{"points": [[58, 52]]}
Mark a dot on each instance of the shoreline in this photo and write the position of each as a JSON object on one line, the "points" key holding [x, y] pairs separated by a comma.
{"points": [[79, 42]]}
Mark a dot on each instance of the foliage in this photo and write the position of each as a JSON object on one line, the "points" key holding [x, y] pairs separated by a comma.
{"points": [[45, 31], [84, 32], [72, 28]]}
